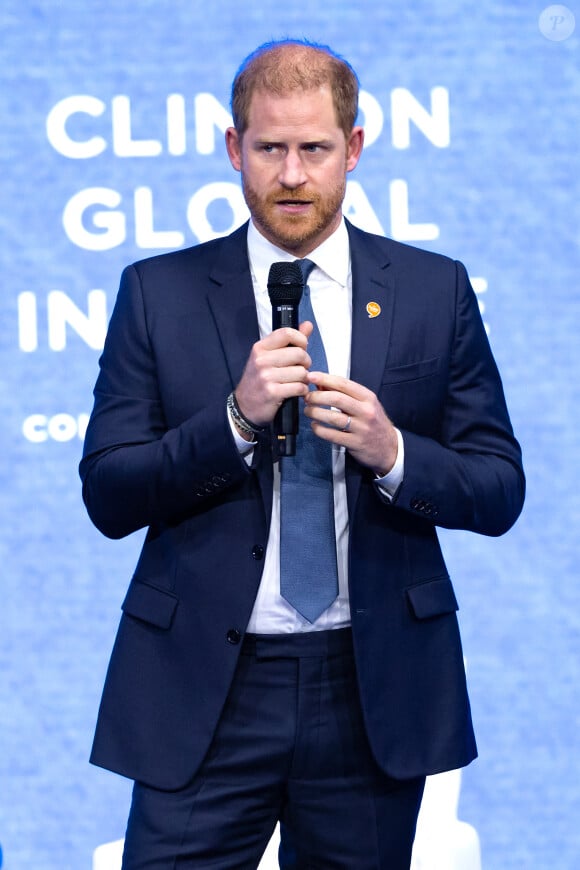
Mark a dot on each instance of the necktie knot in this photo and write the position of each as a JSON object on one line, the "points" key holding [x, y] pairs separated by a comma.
{"points": [[306, 266]]}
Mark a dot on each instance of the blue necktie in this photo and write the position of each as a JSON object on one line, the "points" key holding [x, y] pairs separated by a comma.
{"points": [[308, 569]]}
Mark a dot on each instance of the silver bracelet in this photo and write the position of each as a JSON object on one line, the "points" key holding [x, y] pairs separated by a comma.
{"points": [[239, 419]]}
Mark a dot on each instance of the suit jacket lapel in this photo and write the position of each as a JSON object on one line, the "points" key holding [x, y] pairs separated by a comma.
{"points": [[232, 302], [372, 316], [231, 299]]}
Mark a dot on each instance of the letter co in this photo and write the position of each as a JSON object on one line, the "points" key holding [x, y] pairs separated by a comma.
{"points": [[39, 428]]}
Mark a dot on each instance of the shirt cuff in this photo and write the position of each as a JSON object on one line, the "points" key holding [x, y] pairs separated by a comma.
{"points": [[390, 482], [245, 448]]}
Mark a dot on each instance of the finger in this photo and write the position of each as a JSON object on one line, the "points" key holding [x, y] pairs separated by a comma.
{"points": [[282, 357], [332, 434], [290, 390], [341, 421], [291, 374], [344, 386], [332, 399], [336, 419], [283, 337], [331, 418]]}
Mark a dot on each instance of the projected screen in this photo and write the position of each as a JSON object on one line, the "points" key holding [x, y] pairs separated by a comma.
{"points": [[113, 118]]}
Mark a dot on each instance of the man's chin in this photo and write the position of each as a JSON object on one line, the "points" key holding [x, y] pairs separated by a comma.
{"points": [[290, 235]]}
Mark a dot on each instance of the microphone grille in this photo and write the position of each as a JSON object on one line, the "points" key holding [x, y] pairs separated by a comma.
{"points": [[285, 283]]}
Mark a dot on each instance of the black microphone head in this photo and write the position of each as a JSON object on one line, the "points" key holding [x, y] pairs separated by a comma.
{"points": [[285, 283]]}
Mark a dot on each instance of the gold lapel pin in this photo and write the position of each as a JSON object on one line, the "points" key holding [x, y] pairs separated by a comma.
{"points": [[373, 309]]}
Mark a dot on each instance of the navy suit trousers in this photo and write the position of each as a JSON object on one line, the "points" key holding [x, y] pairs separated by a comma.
{"points": [[290, 746]]}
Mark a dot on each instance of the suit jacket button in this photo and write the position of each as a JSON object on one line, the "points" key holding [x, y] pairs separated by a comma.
{"points": [[233, 636], [258, 552]]}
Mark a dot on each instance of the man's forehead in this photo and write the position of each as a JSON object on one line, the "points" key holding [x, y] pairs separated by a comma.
{"points": [[283, 106]]}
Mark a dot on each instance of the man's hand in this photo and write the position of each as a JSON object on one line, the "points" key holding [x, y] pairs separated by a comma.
{"points": [[346, 413], [277, 369]]}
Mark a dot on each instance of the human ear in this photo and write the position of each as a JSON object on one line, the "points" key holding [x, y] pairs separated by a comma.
{"points": [[354, 147], [234, 148]]}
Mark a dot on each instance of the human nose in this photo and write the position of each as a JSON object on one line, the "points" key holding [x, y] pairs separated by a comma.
{"points": [[292, 173]]}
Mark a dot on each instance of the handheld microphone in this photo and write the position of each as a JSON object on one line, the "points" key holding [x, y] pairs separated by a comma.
{"points": [[285, 286]]}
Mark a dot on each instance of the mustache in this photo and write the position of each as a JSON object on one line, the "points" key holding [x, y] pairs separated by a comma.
{"points": [[302, 196]]}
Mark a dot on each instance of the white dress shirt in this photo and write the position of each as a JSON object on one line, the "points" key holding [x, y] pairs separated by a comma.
{"points": [[331, 295]]}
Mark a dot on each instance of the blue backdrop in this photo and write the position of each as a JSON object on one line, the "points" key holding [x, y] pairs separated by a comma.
{"points": [[112, 149]]}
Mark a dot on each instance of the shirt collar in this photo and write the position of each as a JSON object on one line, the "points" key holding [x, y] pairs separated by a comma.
{"points": [[332, 256]]}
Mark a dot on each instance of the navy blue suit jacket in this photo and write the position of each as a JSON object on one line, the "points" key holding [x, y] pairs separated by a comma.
{"points": [[159, 454]]}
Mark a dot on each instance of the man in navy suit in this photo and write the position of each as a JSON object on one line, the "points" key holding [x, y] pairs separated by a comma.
{"points": [[229, 708]]}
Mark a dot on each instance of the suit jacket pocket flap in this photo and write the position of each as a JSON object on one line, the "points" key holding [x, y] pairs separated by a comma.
{"points": [[432, 598], [150, 604], [411, 372]]}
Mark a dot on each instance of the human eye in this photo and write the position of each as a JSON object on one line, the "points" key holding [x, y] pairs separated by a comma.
{"points": [[318, 150], [267, 147]]}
